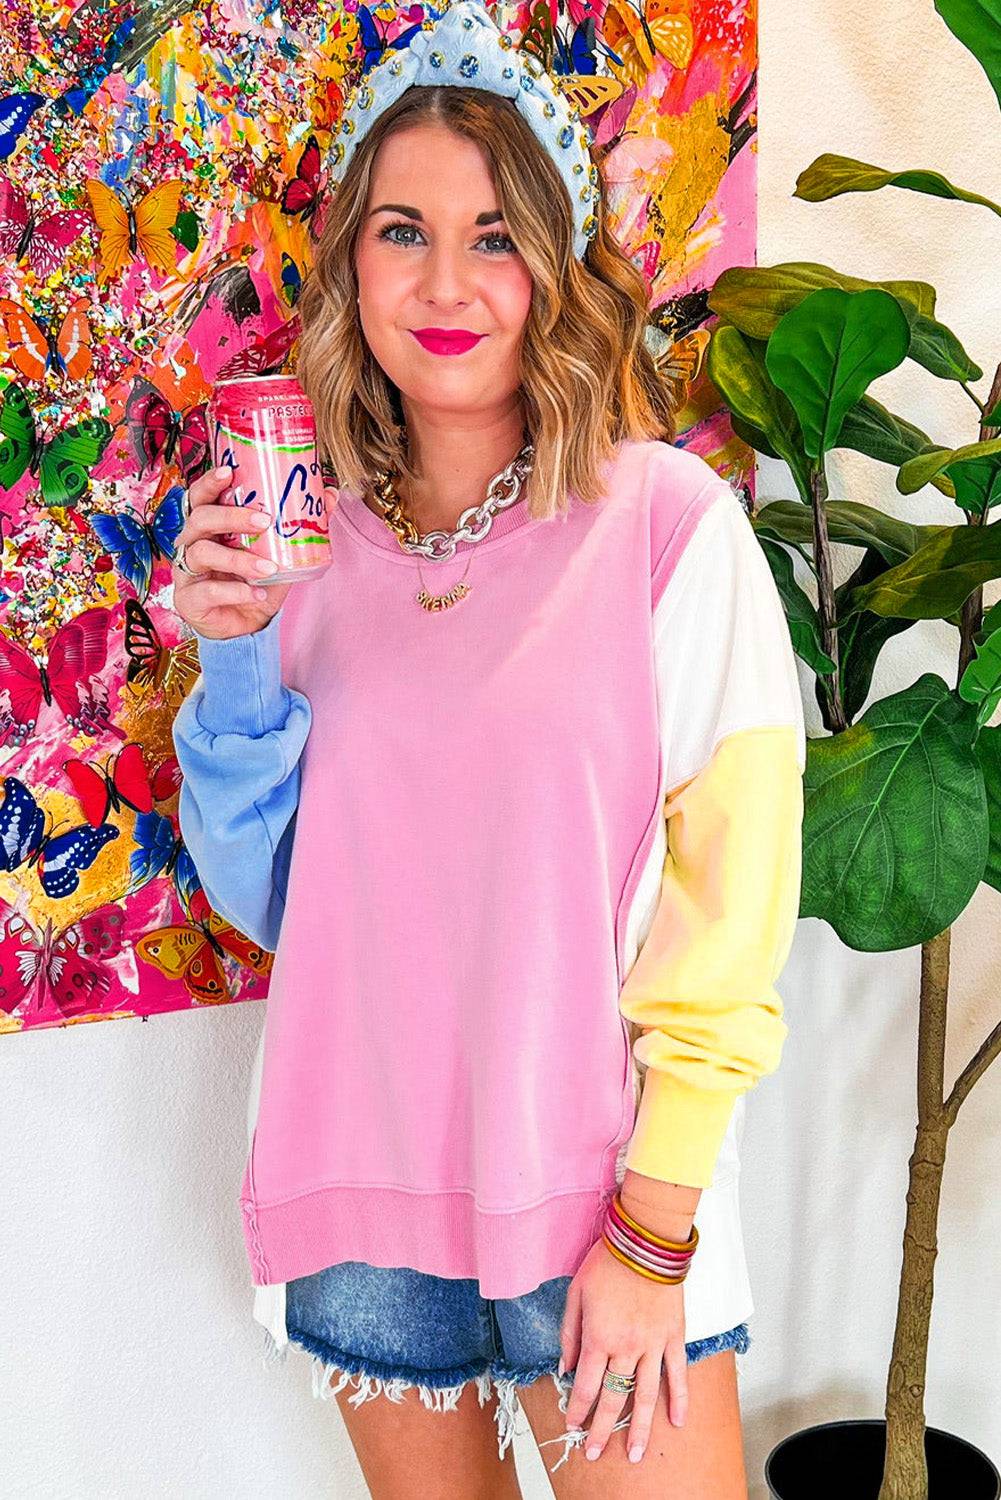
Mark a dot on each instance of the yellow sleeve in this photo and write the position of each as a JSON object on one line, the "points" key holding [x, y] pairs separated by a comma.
{"points": [[702, 989], [703, 984]]}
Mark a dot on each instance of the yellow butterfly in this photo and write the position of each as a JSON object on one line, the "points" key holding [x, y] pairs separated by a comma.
{"points": [[637, 36], [129, 230]]}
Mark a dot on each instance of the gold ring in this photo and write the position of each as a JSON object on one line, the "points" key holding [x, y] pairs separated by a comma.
{"points": [[621, 1384]]}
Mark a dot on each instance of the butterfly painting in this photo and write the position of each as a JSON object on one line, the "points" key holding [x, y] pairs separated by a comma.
{"points": [[15, 112], [61, 973], [34, 346], [193, 955], [266, 355], [57, 857], [43, 242], [125, 782], [152, 665], [61, 462], [161, 851], [137, 544], [374, 41], [135, 229], [157, 431], [640, 35], [163, 192], [302, 195], [77, 654], [291, 279], [553, 50]]}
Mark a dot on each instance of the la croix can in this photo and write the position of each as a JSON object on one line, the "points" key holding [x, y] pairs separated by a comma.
{"points": [[264, 429]]}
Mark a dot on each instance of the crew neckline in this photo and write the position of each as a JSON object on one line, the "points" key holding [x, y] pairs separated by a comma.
{"points": [[365, 525]]}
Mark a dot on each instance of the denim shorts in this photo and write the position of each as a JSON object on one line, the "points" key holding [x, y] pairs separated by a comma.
{"points": [[389, 1329]]}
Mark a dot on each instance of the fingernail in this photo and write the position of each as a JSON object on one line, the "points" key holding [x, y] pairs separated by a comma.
{"points": [[559, 1367], [635, 1453], [593, 1452], [222, 472]]}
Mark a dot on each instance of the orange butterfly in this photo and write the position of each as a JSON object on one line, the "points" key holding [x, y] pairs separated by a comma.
{"points": [[135, 229], [194, 955], [33, 347], [638, 36]]}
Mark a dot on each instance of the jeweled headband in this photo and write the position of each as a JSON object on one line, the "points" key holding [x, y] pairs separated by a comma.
{"points": [[464, 47]]}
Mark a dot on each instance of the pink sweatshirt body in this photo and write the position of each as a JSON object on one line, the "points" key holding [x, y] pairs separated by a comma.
{"points": [[447, 1075]]}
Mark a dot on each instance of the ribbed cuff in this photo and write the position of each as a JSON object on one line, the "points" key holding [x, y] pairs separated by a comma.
{"points": [[243, 692], [679, 1130]]}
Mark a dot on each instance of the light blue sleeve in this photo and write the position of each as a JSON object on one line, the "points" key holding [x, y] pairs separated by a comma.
{"points": [[238, 737]]}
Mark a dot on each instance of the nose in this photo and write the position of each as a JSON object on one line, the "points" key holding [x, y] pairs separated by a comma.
{"points": [[447, 279]]}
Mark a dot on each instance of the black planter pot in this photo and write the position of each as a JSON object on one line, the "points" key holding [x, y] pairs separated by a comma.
{"points": [[835, 1460]]}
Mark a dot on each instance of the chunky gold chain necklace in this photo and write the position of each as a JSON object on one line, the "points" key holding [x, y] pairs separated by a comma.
{"points": [[474, 523]]}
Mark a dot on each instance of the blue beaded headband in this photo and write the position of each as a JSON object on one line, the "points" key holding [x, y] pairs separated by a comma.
{"points": [[464, 47]]}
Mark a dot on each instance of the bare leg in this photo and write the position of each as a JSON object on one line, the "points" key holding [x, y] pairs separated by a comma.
{"points": [[407, 1449], [703, 1460]]}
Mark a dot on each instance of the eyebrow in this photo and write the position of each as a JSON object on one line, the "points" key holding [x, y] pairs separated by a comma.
{"points": [[491, 216]]}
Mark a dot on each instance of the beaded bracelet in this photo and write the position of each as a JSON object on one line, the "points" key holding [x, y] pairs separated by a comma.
{"points": [[650, 1255]]}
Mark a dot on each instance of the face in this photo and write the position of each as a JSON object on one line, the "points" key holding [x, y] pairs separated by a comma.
{"points": [[433, 254]]}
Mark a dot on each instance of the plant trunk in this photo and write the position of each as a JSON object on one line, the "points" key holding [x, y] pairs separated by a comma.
{"points": [[905, 1474]]}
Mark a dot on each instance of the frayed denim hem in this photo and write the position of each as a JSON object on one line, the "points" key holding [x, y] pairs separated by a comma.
{"points": [[439, 1390]]}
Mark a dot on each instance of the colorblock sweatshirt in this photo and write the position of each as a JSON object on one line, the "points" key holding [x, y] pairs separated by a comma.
{"points": [[530, 867]]}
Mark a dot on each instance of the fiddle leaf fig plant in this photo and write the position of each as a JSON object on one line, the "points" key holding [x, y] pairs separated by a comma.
{"points": [[902, 798]]}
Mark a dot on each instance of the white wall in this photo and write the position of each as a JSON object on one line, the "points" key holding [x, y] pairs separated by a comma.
{"points": [[131, 1366]]}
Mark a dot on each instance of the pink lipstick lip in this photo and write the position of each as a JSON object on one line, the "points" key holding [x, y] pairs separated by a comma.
{"points": [[446, 340]]}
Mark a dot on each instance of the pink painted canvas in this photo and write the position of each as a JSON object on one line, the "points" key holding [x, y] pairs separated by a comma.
{"points": [[161, 190]]}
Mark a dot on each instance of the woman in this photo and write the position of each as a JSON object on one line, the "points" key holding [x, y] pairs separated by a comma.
{"points": [[487, 834]]}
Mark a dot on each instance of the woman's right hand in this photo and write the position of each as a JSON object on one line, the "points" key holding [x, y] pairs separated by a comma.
{"points": [[225, 599]]}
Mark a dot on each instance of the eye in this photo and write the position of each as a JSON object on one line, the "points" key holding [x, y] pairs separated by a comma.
{"points": [[389, 229], [508, 242]]}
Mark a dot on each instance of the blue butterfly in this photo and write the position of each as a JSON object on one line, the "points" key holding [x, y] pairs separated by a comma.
{"points": [[579, 57], [161, 852], [59, 857], [90, 78], [15, 112], [374, 42], [136, 544]]}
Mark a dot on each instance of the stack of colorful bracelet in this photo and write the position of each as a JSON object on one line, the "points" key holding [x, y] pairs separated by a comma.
{"points": [[636, 1247]]}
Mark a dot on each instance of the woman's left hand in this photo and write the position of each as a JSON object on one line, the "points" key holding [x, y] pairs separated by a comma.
{"points": [[617, 1319]]}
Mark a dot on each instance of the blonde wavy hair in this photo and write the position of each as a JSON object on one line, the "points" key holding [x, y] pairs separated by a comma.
{"points": [[587, 378]]}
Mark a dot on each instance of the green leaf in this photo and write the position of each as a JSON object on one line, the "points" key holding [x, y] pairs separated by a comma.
{"points": [[977, 24], [857, 525], [736, 367], [752, 436], [990, 622], [980, 684], [977, 482], [993, 417], [861, 637], [871, 429], [826, 352], [895, 835], [924, 467], [831, 175], [801, 612], [988, 751], [938, 579], [753, 298]]}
